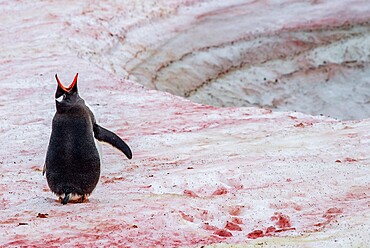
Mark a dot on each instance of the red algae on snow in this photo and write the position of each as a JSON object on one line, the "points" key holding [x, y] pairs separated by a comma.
{"points": [[255, 234], [330, 215], [187, 217], [282, 221], [190, 193], [200, 175], [220, 191], [232, 226], [223, 233]]}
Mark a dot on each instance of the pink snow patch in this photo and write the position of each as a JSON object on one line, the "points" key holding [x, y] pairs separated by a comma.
{"points": [[200, 175]]}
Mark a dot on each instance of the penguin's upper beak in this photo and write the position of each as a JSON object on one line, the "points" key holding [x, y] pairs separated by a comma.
{"points": [[69, 88]]}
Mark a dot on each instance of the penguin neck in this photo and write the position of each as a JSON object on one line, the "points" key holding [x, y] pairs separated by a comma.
{"points": [[75, 108]]}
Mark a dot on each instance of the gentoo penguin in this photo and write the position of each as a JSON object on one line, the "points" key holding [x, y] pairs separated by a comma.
{"points": [[72, 162]]}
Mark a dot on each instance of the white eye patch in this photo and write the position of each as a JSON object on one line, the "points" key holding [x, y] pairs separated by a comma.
{"points": [[61, 98]]}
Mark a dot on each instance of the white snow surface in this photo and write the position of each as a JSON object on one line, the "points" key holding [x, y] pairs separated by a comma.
{"points": [[306, 56], [200, 175]]}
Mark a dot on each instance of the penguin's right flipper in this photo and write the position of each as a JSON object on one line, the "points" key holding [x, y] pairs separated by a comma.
{"points": [[102, 134]]}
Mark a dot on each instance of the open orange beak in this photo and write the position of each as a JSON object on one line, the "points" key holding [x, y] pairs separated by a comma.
{"points": [[70, 87]]}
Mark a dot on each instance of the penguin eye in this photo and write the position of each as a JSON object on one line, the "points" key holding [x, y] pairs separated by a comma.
{"points": [[61, 98]]}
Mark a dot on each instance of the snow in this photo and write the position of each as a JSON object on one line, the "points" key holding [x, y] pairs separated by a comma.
{"points": [[200, 175], [307, 56]]}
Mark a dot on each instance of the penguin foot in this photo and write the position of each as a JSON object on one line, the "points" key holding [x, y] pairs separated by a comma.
{"points": [[73, 198], [84, 199], [66, 198]]}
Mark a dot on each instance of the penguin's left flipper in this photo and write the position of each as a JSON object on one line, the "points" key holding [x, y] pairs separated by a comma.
{"points": [[104, 135]]}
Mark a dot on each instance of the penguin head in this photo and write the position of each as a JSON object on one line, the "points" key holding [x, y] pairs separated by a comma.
{"points": [[66, 98]]}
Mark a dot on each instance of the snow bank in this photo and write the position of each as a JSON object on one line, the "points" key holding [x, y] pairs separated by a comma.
{"points": [[200, 175]]}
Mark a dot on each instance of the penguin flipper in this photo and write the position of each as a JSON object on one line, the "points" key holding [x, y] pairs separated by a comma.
{"points": [[102, 134]]}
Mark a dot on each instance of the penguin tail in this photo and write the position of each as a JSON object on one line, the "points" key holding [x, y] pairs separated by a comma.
{"points": [[66, 198]]}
